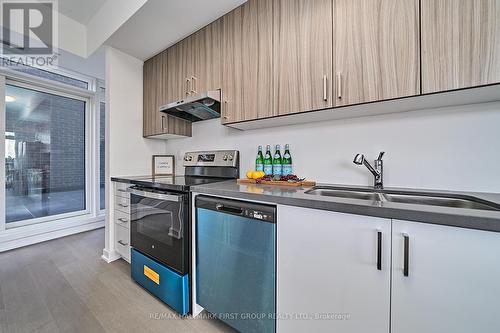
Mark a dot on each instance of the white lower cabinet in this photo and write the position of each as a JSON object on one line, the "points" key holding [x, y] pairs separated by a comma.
{"points": [[121, 220], [433, 278], [453, 282], [327, 274], [122, 237]]}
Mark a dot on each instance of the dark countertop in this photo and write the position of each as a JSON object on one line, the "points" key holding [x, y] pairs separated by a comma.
{"points": [[168, 183], [295, 196]]}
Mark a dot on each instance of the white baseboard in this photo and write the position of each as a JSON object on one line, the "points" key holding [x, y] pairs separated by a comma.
{"points": [[109, 256], [16, 242]]}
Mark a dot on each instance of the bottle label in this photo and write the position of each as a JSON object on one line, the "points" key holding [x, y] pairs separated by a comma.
{"points": [[287, 169], [277, 170], [259, 167], [268, 169]]}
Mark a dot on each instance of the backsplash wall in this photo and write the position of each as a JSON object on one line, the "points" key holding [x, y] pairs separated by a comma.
{"points": [[456, 148]]}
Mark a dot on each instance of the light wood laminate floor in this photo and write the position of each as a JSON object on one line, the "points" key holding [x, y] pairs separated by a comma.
{"points": [[64, 286]]}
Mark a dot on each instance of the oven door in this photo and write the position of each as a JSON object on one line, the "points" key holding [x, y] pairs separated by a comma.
{"points": [[158, 226]]}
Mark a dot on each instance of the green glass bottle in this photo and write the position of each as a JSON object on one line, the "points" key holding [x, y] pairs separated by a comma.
{"points": [[268, 161], [259, 161], [277, 162], [287, 161]]}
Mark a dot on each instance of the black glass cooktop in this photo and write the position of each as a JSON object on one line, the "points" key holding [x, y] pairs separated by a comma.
{"points": [[175, 183]]}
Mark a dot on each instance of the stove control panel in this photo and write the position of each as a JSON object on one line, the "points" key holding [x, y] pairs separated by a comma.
{"points": [[216, 158]]}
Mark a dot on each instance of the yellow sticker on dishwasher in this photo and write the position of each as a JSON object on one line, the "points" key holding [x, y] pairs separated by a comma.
{"points": [[152, 275]]}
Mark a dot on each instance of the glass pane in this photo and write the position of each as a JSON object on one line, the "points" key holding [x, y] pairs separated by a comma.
{"points": [[102, 156], [45, 155], [45, 74]]}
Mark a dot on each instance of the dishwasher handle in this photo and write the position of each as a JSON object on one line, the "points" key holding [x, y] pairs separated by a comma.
{"points": [[233, 210], [256, 211]]}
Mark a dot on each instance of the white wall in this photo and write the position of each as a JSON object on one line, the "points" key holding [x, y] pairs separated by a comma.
{"points": [[455, 148], [128, 153]]}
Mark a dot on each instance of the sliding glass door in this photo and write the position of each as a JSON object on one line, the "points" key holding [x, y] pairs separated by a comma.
{"points": [[46, 153]]}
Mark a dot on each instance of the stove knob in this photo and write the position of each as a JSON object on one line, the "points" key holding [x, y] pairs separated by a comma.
{"points": [[230, 157], [224, 158]]}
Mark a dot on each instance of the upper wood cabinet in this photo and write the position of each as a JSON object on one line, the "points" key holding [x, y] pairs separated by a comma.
{"points": [[155, 94], [303, 34], [191, 66], [149, 98], [176, 86], [280, 57], [187, 49], [196, 63], [181, 68], [460, 44], [207, 74], [376, 50], [247, 73]]}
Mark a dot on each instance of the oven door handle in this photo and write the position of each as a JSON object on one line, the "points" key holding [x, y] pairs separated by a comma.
{"points": [[154, 195]]}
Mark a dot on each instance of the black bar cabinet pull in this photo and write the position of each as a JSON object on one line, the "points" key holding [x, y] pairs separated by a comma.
{"points": [[406, 255], [379, 250]]}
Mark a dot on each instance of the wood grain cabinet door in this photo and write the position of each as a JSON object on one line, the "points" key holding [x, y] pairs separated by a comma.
{"points": [[303, 51], [207, 58], [460, 44], [162, 79], [187, 50], [176, 85], [148, 98], [155, 94], [152, 88], [376, 50], [247, 69]]}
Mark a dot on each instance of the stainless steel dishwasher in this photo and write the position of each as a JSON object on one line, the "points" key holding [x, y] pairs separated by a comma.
{"points": [[236, 262]]}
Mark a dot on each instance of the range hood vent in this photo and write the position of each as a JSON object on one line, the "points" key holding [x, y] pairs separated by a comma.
{"points": [[194, 108]]}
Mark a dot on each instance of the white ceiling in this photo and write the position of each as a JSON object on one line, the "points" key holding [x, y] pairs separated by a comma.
{"points": [[80, 10], [161, 23]]}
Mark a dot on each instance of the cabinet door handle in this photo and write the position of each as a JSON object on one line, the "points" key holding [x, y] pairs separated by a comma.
{"points": [[122, 190], [121, 219], [225, 110], [325, 88], [188, 86], [379, 250], [122, 243], [406, 255], [162, 123], [193, 84], [122, 205], [339, 85]]}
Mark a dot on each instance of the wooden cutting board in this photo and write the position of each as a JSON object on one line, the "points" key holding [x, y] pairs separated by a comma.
{"points": [[305, 183]]}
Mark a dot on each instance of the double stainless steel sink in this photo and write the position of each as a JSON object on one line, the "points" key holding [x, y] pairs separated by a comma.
{"points": [[406, 197]]}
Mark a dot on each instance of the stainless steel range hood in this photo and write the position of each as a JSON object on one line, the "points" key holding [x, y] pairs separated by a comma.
{"points": [[197, 107]]}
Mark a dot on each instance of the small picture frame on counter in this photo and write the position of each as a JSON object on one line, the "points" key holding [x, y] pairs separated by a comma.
{"points": [[163, 165]]}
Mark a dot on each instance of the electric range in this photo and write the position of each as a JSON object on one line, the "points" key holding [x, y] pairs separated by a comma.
{"points": [[160, 224]]}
